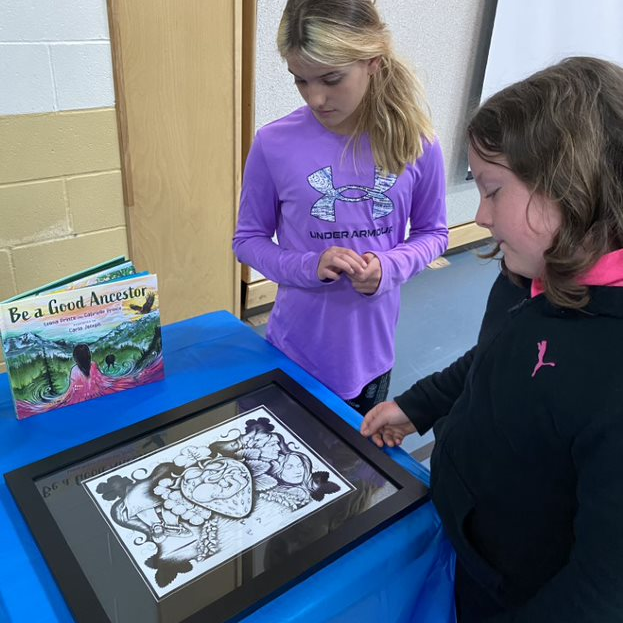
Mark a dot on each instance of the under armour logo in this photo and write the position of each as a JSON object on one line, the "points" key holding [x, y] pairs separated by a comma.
{"points": [[324, 208], [542, 346]]}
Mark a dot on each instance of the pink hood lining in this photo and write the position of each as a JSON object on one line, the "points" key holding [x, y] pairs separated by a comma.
{"points": [[607, 272]]}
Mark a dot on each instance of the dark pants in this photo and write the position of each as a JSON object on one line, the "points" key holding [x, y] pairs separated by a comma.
{"points": [[372, 394]]}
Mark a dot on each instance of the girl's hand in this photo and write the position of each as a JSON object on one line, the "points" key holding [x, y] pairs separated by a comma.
{"points": [[386, 424], [367, 282], [337, 260]]}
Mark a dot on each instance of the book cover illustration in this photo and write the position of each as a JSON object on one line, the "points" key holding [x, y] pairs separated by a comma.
{"points": [[109, 274], [106, 271], [62, 348]]}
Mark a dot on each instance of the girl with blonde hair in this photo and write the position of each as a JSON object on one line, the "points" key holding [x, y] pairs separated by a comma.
{"points": [[340, 180]]}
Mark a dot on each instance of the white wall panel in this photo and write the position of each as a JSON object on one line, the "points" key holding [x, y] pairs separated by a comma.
{"points": [[54, 55], [53, 20], [532, 34], [26, 79], [83, 75]]}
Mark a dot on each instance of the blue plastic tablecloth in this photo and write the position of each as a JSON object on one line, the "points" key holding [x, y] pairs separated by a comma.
{"points": [[402, 574]]}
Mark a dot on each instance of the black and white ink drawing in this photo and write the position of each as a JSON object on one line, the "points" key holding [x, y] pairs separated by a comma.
{"points": [[185, 509]]}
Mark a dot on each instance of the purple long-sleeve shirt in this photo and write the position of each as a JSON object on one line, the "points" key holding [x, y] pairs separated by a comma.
{"points": [[300, 183]]}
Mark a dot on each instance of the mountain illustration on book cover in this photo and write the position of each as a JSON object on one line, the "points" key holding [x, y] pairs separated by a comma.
{"points": [[62, 348]]}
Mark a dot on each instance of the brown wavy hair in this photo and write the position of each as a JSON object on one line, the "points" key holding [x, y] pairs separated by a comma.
{"points": [[341, 32], [561, 132]]}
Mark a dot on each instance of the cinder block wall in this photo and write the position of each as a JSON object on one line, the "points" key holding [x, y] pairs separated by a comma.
{"points": [[61, 204]]}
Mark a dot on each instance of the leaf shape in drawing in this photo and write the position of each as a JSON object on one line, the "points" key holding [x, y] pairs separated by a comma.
{"points": [[115, 487], [250, 453], [167, 570], [191, 455], [290, 497], [262, 425], [258, 467], [264, 482]]}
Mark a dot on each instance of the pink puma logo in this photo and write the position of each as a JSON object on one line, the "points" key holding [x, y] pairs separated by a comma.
{"points": [[542, 345]]}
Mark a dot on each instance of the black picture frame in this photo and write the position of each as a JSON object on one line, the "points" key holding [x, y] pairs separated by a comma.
{"points": [[69, 535]]}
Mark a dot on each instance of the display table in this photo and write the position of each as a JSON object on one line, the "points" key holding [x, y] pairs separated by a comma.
{"points": [[402, 574]]}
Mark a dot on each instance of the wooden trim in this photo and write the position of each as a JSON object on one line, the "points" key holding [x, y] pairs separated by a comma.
{"points": [[250, 275], [466, 234], [120, 107], [259, 293], [263, 311], [178, 69], [238, 121], [245, 273], [249, 25]]}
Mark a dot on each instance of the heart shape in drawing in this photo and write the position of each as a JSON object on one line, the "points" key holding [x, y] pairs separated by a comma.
{"points": [[222, 485]]}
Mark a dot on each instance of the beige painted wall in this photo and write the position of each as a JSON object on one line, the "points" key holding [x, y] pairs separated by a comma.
{"points": [[61, 203]]}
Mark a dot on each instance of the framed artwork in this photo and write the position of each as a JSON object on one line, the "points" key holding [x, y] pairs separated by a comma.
{"points": [[207, 511]]}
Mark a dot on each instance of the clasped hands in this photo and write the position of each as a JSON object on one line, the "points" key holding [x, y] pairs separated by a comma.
{"points": [[364, 271]]}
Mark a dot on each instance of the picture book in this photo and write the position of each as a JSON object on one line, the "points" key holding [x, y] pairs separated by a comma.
{"points": [[86, 341]]}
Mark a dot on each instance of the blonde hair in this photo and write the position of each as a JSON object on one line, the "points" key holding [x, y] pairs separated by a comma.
{"points": [[338, 33]]}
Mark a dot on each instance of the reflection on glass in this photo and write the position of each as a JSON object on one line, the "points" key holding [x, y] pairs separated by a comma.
{"points": [[224, 495]]}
